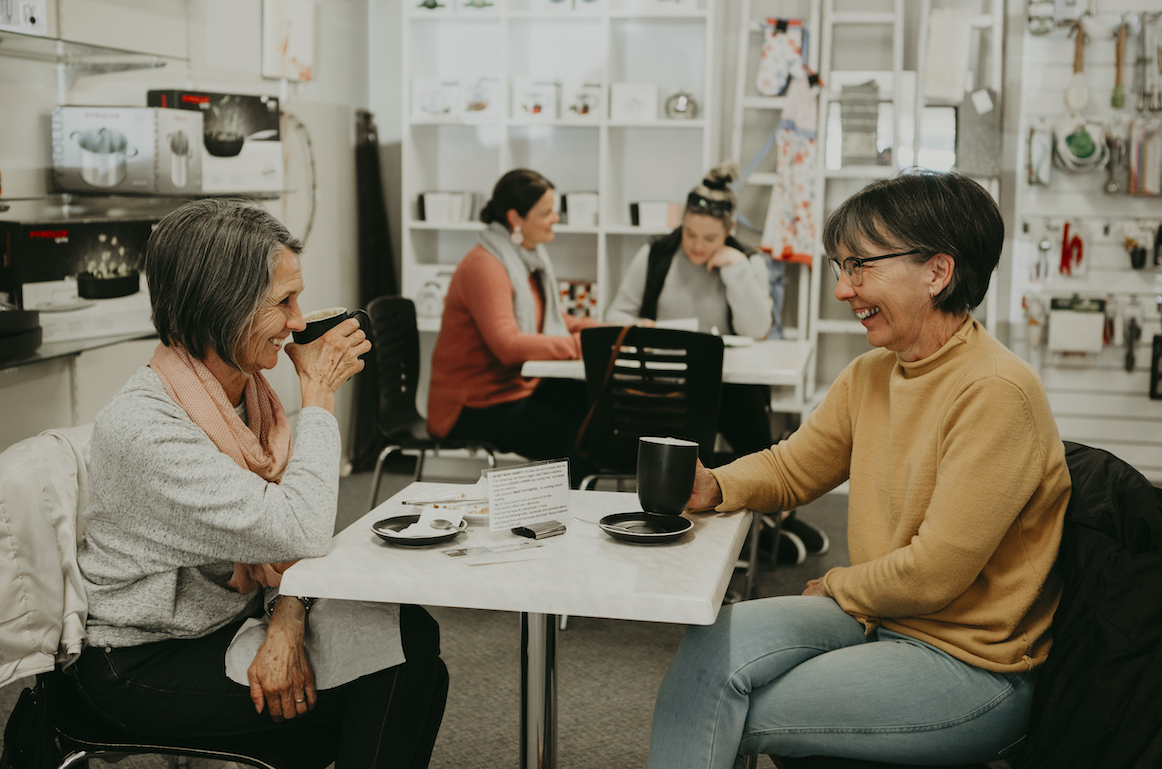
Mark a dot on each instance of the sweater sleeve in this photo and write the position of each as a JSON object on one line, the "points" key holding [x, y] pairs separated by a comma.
{"points": [[185, 503], [627, 305], [749, 297], [990, 462], [813, 460], [488, 298]]}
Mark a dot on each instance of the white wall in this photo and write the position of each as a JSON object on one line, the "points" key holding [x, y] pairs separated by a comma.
{"points": [[222, 39]]}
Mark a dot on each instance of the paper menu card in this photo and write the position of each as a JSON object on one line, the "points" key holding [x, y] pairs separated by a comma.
{"points": [[523, 494]]}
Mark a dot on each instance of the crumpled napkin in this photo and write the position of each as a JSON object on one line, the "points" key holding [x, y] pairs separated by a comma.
{"points": [[428, 513]]}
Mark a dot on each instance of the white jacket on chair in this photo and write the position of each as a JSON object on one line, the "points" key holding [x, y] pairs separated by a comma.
{"points": [[44, 487]]}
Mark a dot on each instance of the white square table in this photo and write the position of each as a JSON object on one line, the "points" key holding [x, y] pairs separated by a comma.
{"points": [[587, 573]]}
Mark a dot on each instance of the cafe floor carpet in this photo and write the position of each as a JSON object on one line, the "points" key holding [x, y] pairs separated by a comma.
{"points": [[608, 670]]}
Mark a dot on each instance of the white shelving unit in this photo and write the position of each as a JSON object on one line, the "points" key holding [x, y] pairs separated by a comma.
{"points": [[622, 161], [835, 336]]}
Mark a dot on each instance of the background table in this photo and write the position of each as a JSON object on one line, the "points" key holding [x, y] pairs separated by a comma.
{"points": [[780, 362], [587, 574]]}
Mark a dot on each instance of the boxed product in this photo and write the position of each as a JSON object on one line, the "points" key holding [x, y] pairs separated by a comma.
{"points": [[126, 150], [655, 214], [633, 102], [27, 16], [434, 98], [241, 147], [582, 100], [534, 98], [83, 274], [580, 208]]}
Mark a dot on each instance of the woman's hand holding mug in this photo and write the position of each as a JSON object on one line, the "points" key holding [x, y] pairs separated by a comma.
{"points": [[326, 362]]}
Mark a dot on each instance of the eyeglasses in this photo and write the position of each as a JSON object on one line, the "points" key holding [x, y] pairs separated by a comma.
{"points": [[853, 266]]}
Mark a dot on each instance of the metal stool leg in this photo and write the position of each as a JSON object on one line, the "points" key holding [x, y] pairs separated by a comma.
{"points": [[378, 470]]}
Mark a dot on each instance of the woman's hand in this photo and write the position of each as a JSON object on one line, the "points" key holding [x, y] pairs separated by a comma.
{"points": [[725, 257], [329, 361], [280, 676], [706, 494], [816, 587]]}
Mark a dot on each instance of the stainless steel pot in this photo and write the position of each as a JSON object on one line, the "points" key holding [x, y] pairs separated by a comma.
{"points": [[103, 155], [179, 147]]}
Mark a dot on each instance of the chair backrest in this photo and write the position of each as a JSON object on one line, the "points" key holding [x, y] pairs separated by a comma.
{"points": [[665, 382], [1096, 702], [396, 356]]}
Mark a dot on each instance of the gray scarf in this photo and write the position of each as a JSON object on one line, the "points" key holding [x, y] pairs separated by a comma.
{"points": [[520, 263]]}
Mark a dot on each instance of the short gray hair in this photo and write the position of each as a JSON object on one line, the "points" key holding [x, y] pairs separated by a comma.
{"points": [[209, 265]]}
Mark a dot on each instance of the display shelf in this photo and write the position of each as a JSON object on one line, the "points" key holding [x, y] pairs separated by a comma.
{"points": [[86, 57], [53, 350], [451, 226], [764, 102], [623, 161]]}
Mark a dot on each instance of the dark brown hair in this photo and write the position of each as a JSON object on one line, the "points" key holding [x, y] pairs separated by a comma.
{"points": [[518, 190]]}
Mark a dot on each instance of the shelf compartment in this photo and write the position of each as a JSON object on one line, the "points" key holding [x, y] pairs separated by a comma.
{"points": [[647, 164], [564, 155]]}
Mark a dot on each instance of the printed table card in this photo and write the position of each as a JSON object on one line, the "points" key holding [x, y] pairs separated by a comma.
{"points": [[522, 494]]}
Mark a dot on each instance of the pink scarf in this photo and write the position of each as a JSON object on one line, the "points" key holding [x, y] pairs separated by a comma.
{"points": [[263, 446]]}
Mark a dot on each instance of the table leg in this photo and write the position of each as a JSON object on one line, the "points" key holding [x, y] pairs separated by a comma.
{"points": [[538, 691]]}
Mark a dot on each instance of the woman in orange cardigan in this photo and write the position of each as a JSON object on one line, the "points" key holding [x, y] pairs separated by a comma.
{"points": [[502, 309]]}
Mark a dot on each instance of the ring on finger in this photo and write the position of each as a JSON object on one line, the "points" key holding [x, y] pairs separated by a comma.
{"points": [[304, 699]]}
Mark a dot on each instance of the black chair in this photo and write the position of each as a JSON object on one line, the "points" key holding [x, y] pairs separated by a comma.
{"points": [[396, 357], [52, 726], [664, 382], [1096, 703]]}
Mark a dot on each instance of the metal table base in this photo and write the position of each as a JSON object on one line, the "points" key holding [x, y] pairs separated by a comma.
{"points": [[538, 691]]}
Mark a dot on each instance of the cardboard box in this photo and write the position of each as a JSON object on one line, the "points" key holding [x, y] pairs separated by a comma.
{"points": [[51, 248], [29, 17], [134, 150], [89, 318], [241, 139]]}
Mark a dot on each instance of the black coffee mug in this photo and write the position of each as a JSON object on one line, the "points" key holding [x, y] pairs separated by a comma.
{"points": [[665, 473], [320, 322]]}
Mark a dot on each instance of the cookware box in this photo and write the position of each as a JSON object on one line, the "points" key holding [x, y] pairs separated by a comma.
{"points": [[56, 248], [126, 150], [241, 143]]}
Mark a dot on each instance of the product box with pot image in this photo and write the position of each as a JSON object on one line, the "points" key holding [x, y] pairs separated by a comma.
{"points": [[100, 255], [241, 138], [134, 150]]}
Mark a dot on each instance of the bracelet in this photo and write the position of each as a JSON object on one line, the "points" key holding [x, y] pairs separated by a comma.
{"points": [[306, 602]]}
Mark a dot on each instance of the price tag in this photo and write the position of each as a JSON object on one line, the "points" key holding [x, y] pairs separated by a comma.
{"points": [[522, 494]]}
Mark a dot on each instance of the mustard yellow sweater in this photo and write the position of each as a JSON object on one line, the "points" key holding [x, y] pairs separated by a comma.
{"points": [[958, 492]]}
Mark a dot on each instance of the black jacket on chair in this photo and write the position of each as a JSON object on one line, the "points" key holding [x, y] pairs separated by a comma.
{"points": [[1099, 698]]}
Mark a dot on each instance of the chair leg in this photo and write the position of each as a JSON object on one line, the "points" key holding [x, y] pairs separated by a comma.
{"points": [[588, 482], [378, 470], [419, 473], [750, 762], [491, 459]]}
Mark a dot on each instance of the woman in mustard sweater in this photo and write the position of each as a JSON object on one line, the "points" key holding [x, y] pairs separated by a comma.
{"points": [[926, 648]]}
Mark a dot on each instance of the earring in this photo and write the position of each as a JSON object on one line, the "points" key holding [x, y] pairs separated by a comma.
{"points": [[516, 236], [933, 293]]}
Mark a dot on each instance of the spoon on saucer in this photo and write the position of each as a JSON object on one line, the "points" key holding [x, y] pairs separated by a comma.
{"points": [[441, 523]]}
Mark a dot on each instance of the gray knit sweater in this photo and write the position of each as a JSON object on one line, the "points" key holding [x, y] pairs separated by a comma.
{"points": [[738, 292], [169, 514]]}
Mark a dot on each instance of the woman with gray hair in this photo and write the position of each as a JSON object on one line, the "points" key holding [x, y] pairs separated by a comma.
{"points": [[198, 504]]}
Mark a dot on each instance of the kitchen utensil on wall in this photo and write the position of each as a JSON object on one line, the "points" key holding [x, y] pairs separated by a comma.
{"points": [[1077, 92], [1079, 144], [1072, 251], [1118, 99], [1041, 15], [103, 155], [1040, 154], [1145, 151]]}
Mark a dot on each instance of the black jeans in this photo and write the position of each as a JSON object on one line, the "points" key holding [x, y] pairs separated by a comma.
{"points": [[541, 426], [178, 689]]}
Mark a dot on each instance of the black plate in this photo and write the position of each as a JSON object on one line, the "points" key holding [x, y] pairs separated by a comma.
{"points": [[388, 528], [645, 528]]}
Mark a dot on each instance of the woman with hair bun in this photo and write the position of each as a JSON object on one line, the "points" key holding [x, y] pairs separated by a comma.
{"points": [[700, 270], [502, 309]]}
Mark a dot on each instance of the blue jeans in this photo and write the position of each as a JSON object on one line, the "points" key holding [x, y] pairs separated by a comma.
{"points": [[796, 676]]}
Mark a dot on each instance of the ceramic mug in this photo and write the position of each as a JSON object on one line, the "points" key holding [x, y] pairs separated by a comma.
{"points": [[320, 322], [665, 473]]}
